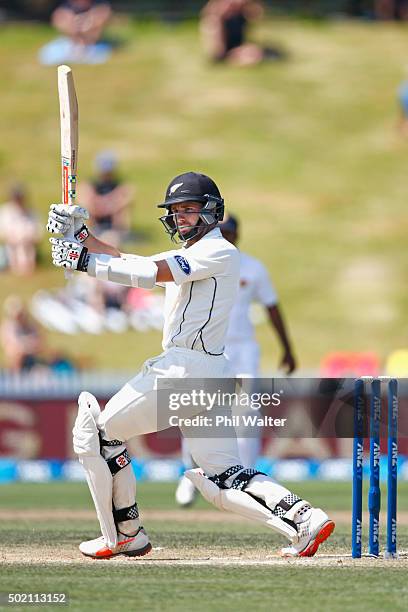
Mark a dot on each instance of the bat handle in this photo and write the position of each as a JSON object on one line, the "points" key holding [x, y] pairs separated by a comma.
{"points": [[68, 274], [69, 199]]}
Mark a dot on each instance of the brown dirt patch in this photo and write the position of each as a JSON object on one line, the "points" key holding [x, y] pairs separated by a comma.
{"points": [[197, 557]]}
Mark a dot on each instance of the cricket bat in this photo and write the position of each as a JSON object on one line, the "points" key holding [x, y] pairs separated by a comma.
{"points": [[69, 137]]}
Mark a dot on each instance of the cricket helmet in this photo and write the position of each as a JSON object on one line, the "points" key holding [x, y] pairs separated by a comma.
{"points": [[192, 187]]}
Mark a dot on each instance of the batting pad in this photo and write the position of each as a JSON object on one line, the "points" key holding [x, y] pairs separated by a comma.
{"points": [[239, 502], [98, 475]]}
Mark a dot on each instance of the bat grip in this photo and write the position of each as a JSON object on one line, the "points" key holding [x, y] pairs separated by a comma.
{"points": [[68, 274]]}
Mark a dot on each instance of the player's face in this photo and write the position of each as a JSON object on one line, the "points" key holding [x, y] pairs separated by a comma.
{"points": [[187, 215]]}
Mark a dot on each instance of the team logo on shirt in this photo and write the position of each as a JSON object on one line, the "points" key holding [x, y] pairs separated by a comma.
{"points": [[183, 263]]}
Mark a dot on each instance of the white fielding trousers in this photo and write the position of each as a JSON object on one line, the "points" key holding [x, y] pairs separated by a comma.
{"points": [[243, 357]]}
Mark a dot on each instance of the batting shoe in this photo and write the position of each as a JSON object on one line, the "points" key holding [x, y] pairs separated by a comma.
{"points": [[137, 545], [185, 492], [311, 533]]}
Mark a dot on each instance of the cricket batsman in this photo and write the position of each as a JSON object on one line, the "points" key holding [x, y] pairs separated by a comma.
{"points": [[242, 349], [201, 281]]}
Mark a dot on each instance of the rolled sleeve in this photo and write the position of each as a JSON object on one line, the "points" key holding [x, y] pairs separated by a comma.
{"points": [[186, 268]]}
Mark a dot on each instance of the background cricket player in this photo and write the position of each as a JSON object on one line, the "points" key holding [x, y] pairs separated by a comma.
{"points": [[242, 349], [201, 281]]}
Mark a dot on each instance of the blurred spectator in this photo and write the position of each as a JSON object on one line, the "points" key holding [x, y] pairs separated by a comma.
{"points": [[144, 309], [403, 103], [224, 26], [96, 306], [391, 9], [20, 232], [20, 336], [85, 306], [60, 363], [107, 199], [81, 23]]}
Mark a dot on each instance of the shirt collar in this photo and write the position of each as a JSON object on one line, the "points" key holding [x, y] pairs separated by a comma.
{"points": [[214, 233]]}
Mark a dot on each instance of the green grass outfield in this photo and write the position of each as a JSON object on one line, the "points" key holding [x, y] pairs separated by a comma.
{"points": [[306, 152], [202, 559]]}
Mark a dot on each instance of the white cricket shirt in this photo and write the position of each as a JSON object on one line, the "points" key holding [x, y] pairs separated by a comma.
{"points": [[199, 301], [254, 286]]}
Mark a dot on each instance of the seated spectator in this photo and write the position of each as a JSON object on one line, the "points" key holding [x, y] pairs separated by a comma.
{"points": [[403, 104], [20, 232], [96, 306], [107, 199], [224, 26], [83, 21], [20, 336], [61, 364], [387, 10]]}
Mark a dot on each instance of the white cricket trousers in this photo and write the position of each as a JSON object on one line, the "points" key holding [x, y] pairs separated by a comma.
{"points": [[133, 410], [243, 361]]}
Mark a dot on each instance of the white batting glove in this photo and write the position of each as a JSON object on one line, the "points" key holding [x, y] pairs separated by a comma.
{"points": [[63, 219], [68, 254]]}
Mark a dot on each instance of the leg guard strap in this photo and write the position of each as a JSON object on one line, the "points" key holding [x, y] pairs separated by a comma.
{"points": [[241, 481], [220, 479], [126, 514], [285, 504], [291, 508], [118, 462], [109, 442]]}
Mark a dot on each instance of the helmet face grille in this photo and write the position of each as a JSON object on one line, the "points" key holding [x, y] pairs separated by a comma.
{"points": [[173, 228], [215, 207], [210, 214]]}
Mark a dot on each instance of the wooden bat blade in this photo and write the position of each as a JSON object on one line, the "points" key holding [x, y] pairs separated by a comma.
{"points": [[69, 137], [69, 133]]}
